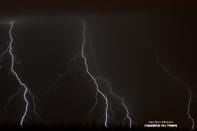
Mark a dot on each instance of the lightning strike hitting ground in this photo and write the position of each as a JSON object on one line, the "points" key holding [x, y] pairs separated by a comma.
{"points": [[181, 82], [9, 50], [91, 76]]}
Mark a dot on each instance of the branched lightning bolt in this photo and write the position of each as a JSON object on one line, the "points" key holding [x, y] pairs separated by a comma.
{"points": [[182, 83], [127, 116], [94, 80], [91, 76], [9, 50]]}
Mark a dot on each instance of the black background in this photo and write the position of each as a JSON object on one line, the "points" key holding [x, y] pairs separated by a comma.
{"points": [[123, 43]]}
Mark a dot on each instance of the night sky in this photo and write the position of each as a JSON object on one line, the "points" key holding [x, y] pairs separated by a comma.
{"points": [[126, 48]]}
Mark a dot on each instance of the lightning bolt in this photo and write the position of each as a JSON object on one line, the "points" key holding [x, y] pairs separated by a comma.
{"points": [[95, 80], [188, 110], [127, 116], [91, 76], [181, 82], [9, 50], [16, 75]]}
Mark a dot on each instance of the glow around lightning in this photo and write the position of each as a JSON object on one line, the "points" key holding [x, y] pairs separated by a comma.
{"points": [[91, 76], [185, 85]]}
